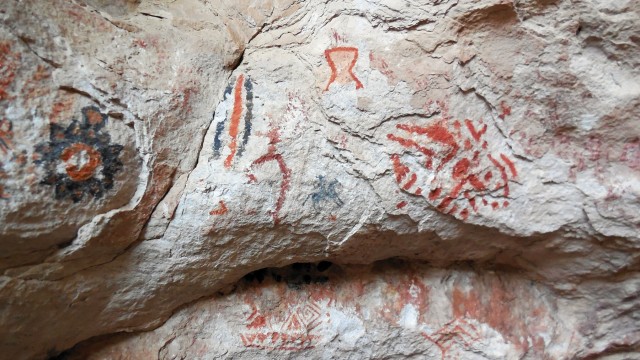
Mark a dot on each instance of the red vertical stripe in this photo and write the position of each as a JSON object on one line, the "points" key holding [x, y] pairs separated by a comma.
{"points": [[235, 121]]}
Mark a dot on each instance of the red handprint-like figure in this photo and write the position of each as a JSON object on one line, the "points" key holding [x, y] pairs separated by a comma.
{"points": [[462, 174]]}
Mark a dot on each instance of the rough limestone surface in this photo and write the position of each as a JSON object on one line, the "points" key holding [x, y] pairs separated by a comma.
{"points": [[155, 152]]}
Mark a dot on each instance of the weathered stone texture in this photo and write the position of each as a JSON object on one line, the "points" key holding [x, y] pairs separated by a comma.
{"points": [[154, 152]]}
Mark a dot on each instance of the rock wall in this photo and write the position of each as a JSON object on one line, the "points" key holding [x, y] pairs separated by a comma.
{"points": [[153, 153], [390, 310]]}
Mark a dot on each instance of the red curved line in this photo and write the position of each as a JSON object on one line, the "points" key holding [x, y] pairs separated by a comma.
{"points": [[353, 64], [503, 174], [411, 143], [435, 132], [332, 65], [399, 168], [284, 186], [410, 183], [509, 163]]}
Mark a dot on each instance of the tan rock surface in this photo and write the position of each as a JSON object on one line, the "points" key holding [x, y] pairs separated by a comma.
{"points": [[154, 152], [388, 310]]}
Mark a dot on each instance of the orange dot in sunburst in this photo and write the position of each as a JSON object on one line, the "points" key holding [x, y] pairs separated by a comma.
{"points": [[81, 161]]}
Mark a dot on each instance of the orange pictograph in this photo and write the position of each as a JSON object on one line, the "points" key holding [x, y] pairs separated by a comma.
{"points": [[342, 60], [81, 161], [235, 120]]}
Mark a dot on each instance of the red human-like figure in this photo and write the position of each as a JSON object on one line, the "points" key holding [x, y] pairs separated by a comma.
{"points": [[328, 54], [272, 155]]}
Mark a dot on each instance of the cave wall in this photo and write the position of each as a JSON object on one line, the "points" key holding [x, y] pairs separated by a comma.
{"points": [[153, 153]]}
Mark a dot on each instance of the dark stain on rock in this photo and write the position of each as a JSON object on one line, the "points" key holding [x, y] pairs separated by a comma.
{"points": [[296, 276]]}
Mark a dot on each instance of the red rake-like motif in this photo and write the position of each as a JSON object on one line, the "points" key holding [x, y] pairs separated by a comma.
{"points": [[459, 173]]}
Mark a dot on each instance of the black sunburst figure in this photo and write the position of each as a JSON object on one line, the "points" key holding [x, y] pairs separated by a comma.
{"points": [[80, 160]]}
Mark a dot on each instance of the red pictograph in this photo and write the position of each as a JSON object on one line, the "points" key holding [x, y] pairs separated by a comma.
{"points": [[291, 332], [342, 60], [235, 120], [456, 332], [506, 110], [81, 161], [220, 210], [9, 63], [460, 173], [273, 155]]}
